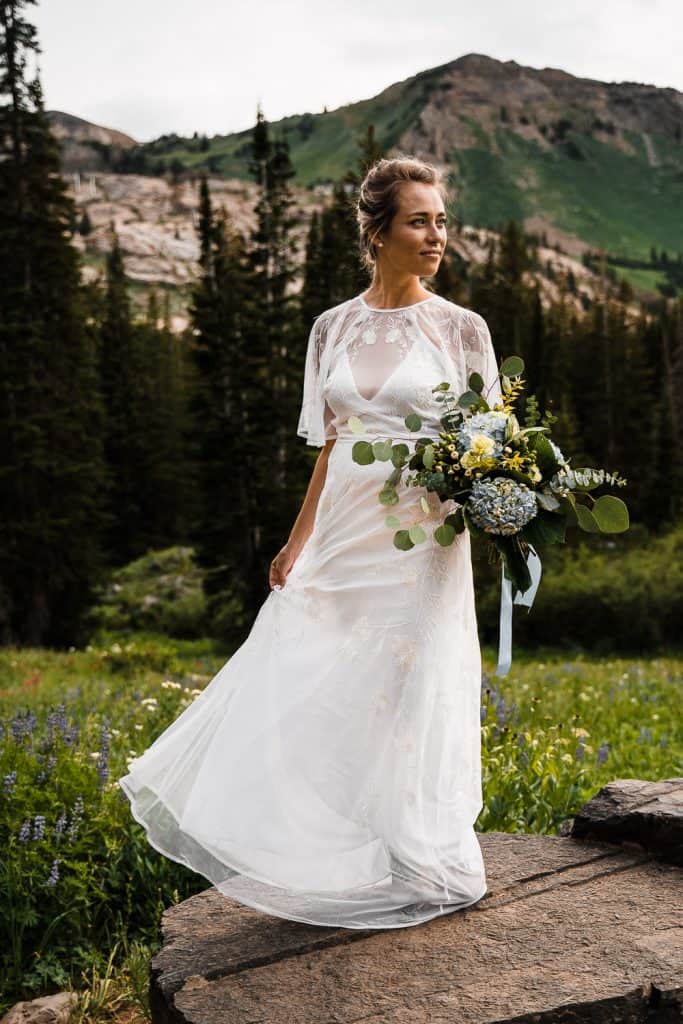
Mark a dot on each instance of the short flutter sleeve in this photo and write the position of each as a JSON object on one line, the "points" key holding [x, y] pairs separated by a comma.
{"points": [[480, 356], [316, 416]]}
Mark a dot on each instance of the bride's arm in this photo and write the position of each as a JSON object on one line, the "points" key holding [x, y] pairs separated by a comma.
{"points": [[303, 524]]}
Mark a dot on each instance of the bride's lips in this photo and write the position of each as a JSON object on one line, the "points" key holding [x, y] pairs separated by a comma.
{"points": [[430, 253]]}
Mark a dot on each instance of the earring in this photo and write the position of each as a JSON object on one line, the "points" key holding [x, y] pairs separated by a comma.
{"points": [[380, 243]]}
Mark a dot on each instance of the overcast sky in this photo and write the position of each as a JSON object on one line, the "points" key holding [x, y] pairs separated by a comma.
{"points": [[147, 67]]}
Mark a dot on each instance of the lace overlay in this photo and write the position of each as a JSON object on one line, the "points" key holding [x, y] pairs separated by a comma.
{"points": [[330, 771]]}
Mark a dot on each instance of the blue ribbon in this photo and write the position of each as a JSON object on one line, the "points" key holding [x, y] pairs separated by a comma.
{"points": [[525, 597]]}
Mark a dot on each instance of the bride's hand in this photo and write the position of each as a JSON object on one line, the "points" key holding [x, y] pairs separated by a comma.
{"points": [[280, 566]]}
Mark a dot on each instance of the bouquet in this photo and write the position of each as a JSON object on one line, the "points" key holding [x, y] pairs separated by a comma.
{"points": [[511, 483]]}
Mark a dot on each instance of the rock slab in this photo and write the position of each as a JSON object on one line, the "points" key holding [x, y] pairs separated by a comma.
{"points": [[649, 814], [571, 930]]}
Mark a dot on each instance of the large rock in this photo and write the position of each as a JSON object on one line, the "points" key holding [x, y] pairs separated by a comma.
{"points": [[571, 930], [632, 811]]}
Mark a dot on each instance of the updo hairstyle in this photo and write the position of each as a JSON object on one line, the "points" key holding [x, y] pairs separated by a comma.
{"points": [[377, 202]]}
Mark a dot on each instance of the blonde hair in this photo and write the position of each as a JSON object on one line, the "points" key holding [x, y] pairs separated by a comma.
{"points": [[377, 202]]}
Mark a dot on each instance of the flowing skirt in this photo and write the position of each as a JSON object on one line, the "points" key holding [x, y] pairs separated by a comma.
{"points": [[330, 772]]}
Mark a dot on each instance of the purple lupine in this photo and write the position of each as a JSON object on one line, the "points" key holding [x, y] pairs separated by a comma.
{"points": [[8, 783], [76, 818], [644, 735], [23, 725], [603, 750], [53, 877], [580, 749], [60, 825], [39, 827], [25, 831], [103, 759]]}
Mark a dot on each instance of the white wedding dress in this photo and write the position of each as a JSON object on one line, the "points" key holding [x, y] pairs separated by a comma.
{"points": [[330, 771]]}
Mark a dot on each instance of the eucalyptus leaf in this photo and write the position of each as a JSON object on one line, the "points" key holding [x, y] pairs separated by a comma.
{"points": [[413, 421], [428, 456], [513, 366], [392, 520], [416, 533], [468, 398], [611, 514], [587, 520], [425, 504], [402, 540], [382, 450], [356, 425], [476, 382], [444, 534], [362, 453]]}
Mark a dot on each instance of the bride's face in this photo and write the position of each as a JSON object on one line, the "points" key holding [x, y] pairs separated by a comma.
{"points": [[418, 226]]}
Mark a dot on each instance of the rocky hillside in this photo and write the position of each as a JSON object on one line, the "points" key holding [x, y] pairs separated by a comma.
{"points": [[86, 145]]}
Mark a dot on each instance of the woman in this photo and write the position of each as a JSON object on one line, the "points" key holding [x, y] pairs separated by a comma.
{"points": [[330, 771]]}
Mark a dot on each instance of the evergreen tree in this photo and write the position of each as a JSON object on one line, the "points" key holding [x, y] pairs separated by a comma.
{"points": [[276, 346], [225, 446], [124, 382], [50, 411]]}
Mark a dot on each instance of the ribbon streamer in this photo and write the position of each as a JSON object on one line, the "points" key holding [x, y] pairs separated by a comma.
{"points": [[525, 597]]}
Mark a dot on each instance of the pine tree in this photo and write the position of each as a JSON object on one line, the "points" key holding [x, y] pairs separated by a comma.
{"points": [[124, 385], [50, 410], [225, 449], [276, 346]]}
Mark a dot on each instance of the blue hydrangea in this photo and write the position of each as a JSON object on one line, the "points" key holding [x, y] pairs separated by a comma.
{"points": [[501, 505], [491, 424]]}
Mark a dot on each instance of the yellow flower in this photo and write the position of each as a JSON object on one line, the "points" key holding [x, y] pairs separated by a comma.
{"points": [[481, 444]]}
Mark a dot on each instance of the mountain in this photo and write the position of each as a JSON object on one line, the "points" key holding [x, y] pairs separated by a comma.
{"points": [[584, 164], [599, 164], [599, 161]]}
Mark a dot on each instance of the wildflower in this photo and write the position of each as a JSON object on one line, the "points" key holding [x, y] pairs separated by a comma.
{"points": [[603, 750], [25, 831], [60, 825], [38, 827], [53, 877], [76, 818], [9, 783]]}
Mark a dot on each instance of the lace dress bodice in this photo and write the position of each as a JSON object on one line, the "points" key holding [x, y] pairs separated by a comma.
{"points": [[381, 365]]}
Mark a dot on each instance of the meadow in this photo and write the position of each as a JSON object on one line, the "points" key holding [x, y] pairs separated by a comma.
{"points": [[83, 892]]}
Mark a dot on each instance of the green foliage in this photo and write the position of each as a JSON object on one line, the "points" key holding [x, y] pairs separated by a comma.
{"points": [[76, 872], [557, 728], [161, 592]]}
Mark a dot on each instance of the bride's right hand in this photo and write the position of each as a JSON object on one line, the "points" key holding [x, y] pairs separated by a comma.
{"points": [[280, 567]]}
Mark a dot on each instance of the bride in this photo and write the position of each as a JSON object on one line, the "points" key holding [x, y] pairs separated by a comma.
{"points": [[330, 772]]}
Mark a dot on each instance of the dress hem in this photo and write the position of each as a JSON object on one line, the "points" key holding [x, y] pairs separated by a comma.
{"points": [[440, 909]]}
